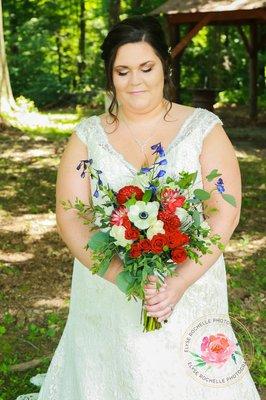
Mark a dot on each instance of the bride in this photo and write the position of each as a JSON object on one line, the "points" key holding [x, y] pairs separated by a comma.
{"points": [[103, 353]]}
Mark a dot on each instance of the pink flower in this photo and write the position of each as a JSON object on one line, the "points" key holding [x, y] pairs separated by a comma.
{"points": [[119, 216], [171, 199], [217, 349]]}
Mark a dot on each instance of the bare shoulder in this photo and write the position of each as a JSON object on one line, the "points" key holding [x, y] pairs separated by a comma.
{"points": [[181, 110]]}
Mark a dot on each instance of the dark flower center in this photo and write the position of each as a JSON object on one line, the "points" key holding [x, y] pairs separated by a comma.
{"points": [[143, 215]]}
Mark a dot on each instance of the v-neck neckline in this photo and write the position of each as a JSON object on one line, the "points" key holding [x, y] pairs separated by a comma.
{"points": [[120, 156]]}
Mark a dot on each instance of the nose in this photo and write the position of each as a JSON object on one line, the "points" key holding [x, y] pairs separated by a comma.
{"points": [[135, 78]]}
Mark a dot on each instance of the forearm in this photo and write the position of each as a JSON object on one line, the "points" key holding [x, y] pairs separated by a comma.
{"points": [[190, 271], [76, 235]]}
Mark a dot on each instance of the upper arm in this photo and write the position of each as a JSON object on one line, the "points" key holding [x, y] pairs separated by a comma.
{"points": [[218, 153], [69, 184]]}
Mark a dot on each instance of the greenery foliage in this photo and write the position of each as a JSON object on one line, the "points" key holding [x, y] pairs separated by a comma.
{"points": [[49, 64]]}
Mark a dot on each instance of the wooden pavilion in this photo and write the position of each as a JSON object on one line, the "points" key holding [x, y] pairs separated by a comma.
{"points": [[198, 13]]}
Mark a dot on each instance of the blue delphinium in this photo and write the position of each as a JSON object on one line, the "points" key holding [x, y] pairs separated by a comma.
{"points": [[160, 173], [158, 149], [145, 170], [95, 174], [83, 163], [220, 185]]}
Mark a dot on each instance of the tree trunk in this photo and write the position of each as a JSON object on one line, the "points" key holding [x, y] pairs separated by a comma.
{"points": [[82, 40], [114, 11], [7, 102], [136, 4]]}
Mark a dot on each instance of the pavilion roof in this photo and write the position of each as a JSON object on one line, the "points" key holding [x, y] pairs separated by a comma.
{"points": [[196, 6]]}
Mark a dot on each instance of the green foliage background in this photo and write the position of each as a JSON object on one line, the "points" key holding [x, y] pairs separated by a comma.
{"points": [[42, 41]]}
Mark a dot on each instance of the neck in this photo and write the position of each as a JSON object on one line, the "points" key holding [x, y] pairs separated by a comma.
{"points": [[134, 117]]}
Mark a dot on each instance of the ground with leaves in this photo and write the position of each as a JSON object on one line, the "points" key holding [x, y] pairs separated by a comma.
{"points": [[36, 266]]}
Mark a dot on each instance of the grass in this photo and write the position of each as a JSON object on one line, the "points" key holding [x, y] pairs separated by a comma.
{"points": [[36, 266]]}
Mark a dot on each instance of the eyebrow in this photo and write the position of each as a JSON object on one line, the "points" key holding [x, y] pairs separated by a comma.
{"points": [[141, 65]]}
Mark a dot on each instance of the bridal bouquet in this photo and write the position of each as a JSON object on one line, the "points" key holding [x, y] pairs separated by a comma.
{"points": [[153, 223]]}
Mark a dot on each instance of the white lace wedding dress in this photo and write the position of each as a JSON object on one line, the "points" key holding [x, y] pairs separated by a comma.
{"points": [[103, 353]]}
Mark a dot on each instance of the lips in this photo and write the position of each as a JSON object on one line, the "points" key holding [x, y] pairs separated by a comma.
{"points": [[139, 91]]}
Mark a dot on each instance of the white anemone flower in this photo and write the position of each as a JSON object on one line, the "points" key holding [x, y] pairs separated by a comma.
{"points": [[118, 232], [157, 227], [185, 218], [143, 215]]}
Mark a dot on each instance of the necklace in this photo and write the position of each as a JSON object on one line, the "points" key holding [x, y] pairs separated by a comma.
{"points": [[140, 143]]}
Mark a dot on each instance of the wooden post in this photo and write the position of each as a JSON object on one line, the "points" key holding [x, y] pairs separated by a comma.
{"points": [[253, 67]]}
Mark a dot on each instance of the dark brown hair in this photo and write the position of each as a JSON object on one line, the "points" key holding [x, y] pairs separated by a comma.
{"points": [[131, 30]]}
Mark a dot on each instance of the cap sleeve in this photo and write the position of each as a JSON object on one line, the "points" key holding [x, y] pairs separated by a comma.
{"points": [[82, 130], [206, 123]]}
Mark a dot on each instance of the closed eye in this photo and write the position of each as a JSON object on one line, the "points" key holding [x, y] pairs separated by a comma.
{"points": [[125, 73]]}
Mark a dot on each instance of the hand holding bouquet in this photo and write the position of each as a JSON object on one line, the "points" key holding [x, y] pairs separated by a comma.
{"points": [[153, 223]]}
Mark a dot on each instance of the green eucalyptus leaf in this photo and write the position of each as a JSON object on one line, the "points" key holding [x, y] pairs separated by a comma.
{"points": [[201, 194], [98, 241], [104, 266], [213, 174], [124, 280], [196, 217], [229, 198]]}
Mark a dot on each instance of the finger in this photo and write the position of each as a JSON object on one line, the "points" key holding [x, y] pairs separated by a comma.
{"points": [[159, 305], [152, 278], [154, 297], [154, 290], [164, 317], [161, 313], [153, 285]]}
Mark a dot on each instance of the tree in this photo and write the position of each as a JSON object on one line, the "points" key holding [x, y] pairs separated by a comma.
{"points": [[7, 102], [114, 12]]}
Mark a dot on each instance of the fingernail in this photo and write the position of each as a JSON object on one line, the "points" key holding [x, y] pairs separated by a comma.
{"points": [[149, 314]]}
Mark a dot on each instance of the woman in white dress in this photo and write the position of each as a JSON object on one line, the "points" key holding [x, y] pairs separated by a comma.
{"points": [[103, 353]]}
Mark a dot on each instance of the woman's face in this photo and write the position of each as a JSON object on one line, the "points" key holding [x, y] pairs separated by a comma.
{"points": [[138, 76]]}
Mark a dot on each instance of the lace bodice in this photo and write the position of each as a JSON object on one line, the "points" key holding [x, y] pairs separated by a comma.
{"points": [[182, 153]]}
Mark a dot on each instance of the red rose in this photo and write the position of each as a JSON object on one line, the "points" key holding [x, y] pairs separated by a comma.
{"points": [[126, 192], [135, 250], [179, 255], [176, 239], [158, 242], [132, 233], [145, 245]]}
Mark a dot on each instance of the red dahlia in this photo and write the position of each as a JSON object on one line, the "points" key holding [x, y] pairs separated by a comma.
{"points": [[126, 192]]}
